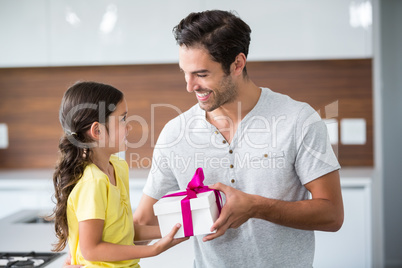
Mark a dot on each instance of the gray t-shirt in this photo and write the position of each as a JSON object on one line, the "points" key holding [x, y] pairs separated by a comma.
{"points": [[279, 146]]}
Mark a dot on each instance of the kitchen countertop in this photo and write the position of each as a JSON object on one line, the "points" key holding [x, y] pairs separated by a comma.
{"points": [[42, 178], [143, 173], [29, 177], [22, 237]]}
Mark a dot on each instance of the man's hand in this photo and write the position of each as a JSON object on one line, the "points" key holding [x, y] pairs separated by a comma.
{"points": [[323, 212], [236, 211]]}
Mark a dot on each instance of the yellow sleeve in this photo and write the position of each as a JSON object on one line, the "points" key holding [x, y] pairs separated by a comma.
{"points": [[90, 199]]}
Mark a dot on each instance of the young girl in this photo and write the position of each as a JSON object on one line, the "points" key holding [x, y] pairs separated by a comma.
{"points": [[93, 212]]}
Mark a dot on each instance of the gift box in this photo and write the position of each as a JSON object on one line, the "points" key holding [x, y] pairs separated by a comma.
{"points": [[204, 213], [196, 208]]}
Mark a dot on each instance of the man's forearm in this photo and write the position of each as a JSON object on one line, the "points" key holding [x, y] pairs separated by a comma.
{"points": [[314, 214], [146, 233]]}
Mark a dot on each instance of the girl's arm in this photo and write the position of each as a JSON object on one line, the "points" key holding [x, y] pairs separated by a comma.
{"points": [[94, 249], [143, 216]]}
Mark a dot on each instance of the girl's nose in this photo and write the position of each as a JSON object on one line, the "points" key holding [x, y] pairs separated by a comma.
{"points": [[128, 127]]}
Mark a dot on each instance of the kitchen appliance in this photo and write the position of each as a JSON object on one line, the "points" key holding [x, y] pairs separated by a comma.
{"points": [[27, 259]]}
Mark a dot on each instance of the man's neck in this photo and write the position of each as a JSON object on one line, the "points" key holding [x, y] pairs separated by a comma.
{"points": [[227, 117], [249, 95]]}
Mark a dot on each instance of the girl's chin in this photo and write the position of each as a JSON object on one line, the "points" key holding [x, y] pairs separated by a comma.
{"points": [[124, 147], [115, 150]]}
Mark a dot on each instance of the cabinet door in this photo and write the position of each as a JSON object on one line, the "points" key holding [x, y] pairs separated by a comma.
{"points": [[294, 30], [351, 245], [115, 32], [24, 33], [101, 32]]}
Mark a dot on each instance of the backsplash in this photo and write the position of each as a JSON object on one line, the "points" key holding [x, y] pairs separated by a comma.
{"points": [[30, 99]]}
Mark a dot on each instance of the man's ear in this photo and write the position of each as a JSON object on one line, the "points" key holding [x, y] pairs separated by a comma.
{"points": [[239, 64], [95, 131]]}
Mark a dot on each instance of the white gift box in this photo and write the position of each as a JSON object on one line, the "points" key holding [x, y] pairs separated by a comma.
{"points": [[204, 212]]}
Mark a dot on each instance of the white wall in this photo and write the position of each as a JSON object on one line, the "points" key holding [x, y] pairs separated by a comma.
{"points": [[98, 32]]}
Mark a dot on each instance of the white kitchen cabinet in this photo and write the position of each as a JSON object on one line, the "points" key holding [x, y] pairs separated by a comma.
{"points": [[350, 247], [21, 190], [24, 33], [115, 32], [294, 30], [92, 32], [15, 200], [33, 189]]}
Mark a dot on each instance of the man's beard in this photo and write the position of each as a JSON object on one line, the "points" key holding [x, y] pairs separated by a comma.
{"points": [[227, 93]]}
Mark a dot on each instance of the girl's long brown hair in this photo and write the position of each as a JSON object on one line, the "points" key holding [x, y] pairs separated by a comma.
{"points": [[83, 104]]}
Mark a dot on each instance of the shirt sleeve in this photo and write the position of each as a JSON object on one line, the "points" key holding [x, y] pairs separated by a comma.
{"points": [[90, 201], [315, 156]]}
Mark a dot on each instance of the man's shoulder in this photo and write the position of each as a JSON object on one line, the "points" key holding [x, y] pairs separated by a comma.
{"points": [[282, 103]]}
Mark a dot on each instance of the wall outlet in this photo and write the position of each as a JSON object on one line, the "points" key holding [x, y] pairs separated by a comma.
{"points": [[3, 136], [353, 131]]}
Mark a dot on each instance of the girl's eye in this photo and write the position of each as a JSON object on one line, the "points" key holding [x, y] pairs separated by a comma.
{"points": [[124, 118]]}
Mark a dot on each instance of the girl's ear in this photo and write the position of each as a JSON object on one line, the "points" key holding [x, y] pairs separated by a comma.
{"points": [[95, 131]]}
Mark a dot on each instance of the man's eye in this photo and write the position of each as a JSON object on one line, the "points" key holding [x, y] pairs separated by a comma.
{"points": [[202, 75]]}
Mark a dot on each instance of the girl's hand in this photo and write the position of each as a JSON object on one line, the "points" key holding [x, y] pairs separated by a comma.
{"points": [[169, 241], [67, 263]]}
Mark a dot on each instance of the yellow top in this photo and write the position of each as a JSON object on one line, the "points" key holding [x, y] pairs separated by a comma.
{"points": [[94, 197]]}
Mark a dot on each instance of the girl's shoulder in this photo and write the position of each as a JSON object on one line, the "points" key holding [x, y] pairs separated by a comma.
{"points": [[91, 180], [92, 173]]}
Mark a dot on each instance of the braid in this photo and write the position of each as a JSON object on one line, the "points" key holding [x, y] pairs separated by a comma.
{"points": [[69, 170]]}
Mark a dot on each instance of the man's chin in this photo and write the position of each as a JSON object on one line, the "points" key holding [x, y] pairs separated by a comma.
{"points": [[207, 108]]}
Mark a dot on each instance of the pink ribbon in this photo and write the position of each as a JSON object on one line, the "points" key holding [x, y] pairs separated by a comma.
{"points": [[195, 186]]}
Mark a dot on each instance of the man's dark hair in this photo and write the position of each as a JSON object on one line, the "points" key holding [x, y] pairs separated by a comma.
{"points": [[222, 33]]}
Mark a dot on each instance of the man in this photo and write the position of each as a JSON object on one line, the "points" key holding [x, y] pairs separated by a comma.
{"points": [[262, 149]]}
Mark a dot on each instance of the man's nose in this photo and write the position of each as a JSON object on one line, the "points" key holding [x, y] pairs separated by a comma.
{"points": [[192, 84]]}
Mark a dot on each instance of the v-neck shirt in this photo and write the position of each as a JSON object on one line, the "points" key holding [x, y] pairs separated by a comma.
{"points": [[279, 146]]}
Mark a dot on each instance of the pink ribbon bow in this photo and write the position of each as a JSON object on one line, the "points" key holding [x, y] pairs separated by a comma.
{"points": [[195, 186]]}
